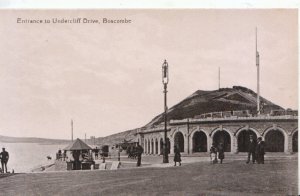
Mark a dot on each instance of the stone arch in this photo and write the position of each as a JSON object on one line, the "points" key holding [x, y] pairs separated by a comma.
{"points": [[173, 131], [145, 146], [243, 138], [295, 140], [156, 146], [199, 141], [276, 139], [223, 135], [247, 128], [152, 146], [294, 131], [149, 152], [179, 140]]}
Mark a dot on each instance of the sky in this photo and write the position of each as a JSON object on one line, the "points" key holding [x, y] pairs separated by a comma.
{"points": [[107, 77]]}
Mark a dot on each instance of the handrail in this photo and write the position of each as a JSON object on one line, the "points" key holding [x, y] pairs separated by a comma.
{"points": [[236, 118]]}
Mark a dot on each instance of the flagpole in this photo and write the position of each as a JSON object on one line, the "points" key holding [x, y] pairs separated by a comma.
{"points": [[219, 78], [257, 66], [72, 129]]}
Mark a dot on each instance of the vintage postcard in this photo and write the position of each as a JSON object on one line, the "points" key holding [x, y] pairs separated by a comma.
{"points": [[149, 102]]}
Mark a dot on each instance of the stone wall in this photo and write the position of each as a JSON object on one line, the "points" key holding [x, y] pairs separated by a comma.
{"points": [[260, 127]]}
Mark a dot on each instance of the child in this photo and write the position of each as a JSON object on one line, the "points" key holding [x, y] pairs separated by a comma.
{"points": [[213, 154]]}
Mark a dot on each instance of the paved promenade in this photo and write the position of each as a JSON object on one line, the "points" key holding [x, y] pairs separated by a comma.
{"points": [[278, 176]]}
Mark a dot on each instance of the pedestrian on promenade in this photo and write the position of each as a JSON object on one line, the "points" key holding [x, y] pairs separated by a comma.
{"points": [[96, 152], [251, 150], [65, 155], [139, 151], [221, 154], [77, 159], [59, 156], [213, 154], [4, 159], [260, 151], [177, 155]]}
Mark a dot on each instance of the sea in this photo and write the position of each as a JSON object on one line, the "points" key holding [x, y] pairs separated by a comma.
{"points": [[24, 157]]}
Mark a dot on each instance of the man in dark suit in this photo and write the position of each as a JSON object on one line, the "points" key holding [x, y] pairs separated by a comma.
{"points": [[260, 151], [139, 151], [251, 149], [96, 150], [4, 159]]}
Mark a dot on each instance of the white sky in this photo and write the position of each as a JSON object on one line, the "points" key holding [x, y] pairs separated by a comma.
{"points": [[107, 77]]}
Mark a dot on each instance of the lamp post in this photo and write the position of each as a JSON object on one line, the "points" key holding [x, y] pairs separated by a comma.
{"points": [[165, 80]]}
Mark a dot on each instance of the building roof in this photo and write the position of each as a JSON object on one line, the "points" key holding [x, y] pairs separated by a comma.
{"points": [[78, 144]]}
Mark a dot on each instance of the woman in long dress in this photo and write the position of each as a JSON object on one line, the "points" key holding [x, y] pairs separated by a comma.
{"points": [[221, 155], [177, 156]]}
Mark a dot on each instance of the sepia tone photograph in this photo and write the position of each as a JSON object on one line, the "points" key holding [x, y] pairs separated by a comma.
{"points": [[149, 102]]}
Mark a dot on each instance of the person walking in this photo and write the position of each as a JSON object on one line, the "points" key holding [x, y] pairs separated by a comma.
{"points": [[251, 150], [96, 152], [4, 159], [139, 152], [59, 157], [221, 154], [177, 155], [260, 151], [65, 155]]}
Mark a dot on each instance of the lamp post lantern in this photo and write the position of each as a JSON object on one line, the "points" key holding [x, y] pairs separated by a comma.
{"points": [[165, 80]]}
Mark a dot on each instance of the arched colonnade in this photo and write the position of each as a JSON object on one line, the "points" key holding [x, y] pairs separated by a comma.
{"points": [[200, 140]]}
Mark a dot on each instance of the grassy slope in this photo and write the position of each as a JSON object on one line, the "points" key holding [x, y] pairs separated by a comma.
{"points": [[226, 99]]}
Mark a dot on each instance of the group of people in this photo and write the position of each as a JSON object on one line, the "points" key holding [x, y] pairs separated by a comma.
{"points": [[138, 150], [61, 156], [96, 151], [132, 152], [256, 150], [135, 152], [4, 156], [217, 152]]}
